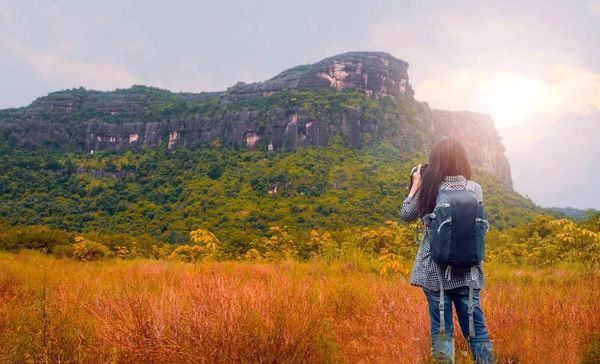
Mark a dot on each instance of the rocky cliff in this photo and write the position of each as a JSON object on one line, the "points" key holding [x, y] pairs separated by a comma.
{"points": [[374, 73], [355, 98]]}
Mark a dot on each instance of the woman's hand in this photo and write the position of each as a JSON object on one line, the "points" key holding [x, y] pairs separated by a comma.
{"points": [[416, 181]]}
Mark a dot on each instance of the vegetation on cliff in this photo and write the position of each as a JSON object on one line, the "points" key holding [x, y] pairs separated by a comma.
{"points": [[238, 195]]}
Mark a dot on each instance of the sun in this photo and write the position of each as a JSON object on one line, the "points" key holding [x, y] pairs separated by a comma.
{"points": [[510, 98]]}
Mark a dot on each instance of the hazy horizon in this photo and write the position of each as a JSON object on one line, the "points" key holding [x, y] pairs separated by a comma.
{"points": [[533, 66]]}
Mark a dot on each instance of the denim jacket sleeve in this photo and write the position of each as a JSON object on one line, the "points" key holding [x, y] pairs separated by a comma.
{"points": [[410, 210]]}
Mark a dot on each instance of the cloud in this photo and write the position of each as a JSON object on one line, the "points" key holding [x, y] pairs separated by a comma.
{"points": [[515, 97], [57, 46], [448, 40], [186, 75], [554, 164], [5, 15], [594, 8], [68, 69], [400, 39], [503, 65], [572, 90]]}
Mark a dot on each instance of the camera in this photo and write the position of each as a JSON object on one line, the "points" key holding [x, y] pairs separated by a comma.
{"points": [[412, 171]]}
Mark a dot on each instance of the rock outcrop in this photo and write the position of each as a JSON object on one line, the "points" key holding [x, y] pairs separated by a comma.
{"points": [[143, 117], [375, 73]]}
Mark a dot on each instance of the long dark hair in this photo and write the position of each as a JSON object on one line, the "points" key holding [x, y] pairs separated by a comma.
{"points": [[447, 158]]}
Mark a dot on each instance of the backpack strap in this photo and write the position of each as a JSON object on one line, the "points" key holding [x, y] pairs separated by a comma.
{"points": [[448, 273], [417, 233], [441, 305], [471, 306]]}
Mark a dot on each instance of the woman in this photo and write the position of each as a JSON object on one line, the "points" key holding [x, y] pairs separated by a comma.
{"points": [[448, 168]]}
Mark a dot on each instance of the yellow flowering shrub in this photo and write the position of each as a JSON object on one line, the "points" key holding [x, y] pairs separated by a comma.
{"points": [[88, 250]]}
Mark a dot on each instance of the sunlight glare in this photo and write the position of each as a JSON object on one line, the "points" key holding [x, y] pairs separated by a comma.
{"points": [[511, 99]]}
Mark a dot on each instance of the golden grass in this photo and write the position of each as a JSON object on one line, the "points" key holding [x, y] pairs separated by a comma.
{"points": [[155, 311]]}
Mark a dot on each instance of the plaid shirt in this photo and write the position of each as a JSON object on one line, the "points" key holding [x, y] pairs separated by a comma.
{"points": [[425, 270]]}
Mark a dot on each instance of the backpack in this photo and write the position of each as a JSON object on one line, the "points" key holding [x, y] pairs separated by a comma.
{"points": [[457, 239], [458, 228]]}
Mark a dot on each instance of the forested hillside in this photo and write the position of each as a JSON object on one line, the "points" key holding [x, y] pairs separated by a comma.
{"points": [[237, 194]]}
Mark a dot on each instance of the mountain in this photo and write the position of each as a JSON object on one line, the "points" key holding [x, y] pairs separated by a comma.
{"points": [[327, 145], [355, 96], [574, 213]]}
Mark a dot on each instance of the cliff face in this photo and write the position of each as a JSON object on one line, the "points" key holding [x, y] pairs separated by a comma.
{"points": [[375, 73], [341, 96]]}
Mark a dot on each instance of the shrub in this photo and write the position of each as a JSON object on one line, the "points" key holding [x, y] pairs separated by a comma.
{"points": [[63, 251], [32, 237], [205, 239], [280, 245], [187, 253], [162, 251], [87, 250], [205, 245]]}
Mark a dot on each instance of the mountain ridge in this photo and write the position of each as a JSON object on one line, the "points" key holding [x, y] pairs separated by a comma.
{"points": [[353, 98]]}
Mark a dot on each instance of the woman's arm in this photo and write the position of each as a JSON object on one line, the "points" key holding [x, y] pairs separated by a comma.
{"points": [[410, 210]]}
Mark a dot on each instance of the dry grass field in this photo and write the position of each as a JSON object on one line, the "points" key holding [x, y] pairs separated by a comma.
{"points": [[147, 311]]}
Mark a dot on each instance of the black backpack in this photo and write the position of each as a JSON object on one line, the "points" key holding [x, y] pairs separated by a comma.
{"points": [[458, 227]]}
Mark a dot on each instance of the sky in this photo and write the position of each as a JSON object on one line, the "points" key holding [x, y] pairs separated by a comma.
{"points": [[534, 66]]}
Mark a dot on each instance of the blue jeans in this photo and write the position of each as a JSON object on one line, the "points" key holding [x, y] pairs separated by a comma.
{"points": [[442, 346]]}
